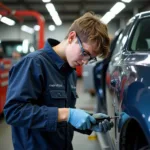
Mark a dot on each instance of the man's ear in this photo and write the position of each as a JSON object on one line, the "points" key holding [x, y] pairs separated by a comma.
{"points": [[71, 36]]}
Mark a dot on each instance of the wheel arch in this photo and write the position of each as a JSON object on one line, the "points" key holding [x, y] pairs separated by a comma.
{"points": [[131, 131]]}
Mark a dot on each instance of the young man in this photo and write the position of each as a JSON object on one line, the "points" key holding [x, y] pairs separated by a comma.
{"points": [[41, 93]]}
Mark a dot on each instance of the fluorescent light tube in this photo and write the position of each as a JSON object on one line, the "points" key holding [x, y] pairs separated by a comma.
{"points": [[32, 49], [126, 1], [8, 21], [19, 48], [56, 19], [118, 7], [46, 1], [25, 46], [51, 9], [27, 29], [107, 17]]}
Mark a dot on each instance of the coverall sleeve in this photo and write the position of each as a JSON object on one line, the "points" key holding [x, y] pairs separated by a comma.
{"points": [[24, 90]]}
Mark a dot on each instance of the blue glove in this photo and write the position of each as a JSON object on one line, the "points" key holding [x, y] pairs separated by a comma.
{"points": [[123, 118], [103, 126], [80, 119]]}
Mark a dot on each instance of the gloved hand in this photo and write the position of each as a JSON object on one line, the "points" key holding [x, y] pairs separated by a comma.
{"points": [[123, 118], [80, 119], [103, 126]]}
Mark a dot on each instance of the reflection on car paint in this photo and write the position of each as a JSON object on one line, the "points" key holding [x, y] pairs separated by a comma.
{"points": [[125, 84]]}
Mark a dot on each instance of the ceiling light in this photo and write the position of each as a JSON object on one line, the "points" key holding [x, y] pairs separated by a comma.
{"points": [[118, 7], [27, 29], [51, 9], [36, 27], [8, 21], [32, 49], [107, 17], [46, 1], [51, 27], [25, 46], [126, 1], [19, 48]]}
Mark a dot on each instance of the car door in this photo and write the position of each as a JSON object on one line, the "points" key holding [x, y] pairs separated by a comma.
{"points": [[115, 81], [99, 73], [128, 70]]}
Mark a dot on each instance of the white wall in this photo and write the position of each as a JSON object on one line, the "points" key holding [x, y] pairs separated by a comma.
{"points": [[12, 33], [15, 33]]}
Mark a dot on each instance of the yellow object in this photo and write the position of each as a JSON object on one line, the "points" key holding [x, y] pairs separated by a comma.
{"points": [[92, 137]]}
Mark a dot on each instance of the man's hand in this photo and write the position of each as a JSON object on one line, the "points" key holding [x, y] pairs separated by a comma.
{"points": [[104, 125], [123, 118], [80, 119]]}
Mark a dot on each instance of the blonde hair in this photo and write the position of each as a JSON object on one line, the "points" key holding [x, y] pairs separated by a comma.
{"points": [[90, 29]]}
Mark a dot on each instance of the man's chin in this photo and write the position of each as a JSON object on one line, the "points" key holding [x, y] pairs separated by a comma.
{"points": [[72, 65]]}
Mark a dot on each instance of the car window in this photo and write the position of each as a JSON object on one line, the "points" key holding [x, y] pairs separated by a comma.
{"points": [[10, 47], [114, 40], [122, 39], [117, 46], [141, 37], [1, 51], [21, 47]]}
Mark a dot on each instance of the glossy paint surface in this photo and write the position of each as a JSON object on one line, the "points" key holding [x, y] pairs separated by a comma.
{"points": [[123, 80]]}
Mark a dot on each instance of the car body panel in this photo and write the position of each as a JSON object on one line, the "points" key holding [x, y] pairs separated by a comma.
{"points": [[122, 81]]}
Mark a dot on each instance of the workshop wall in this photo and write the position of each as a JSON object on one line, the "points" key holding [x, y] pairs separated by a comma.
{"points": [[15, 33]]}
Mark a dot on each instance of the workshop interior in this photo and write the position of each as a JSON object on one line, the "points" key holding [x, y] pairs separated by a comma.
{"points": [[117, 85]]}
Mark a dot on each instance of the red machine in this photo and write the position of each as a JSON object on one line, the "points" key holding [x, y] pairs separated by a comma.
{"points": [[79, 71], [5, 65]]}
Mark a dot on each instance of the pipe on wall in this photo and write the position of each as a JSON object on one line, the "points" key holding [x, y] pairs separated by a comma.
{"points": [[41, 22], [18, 14], [7, 11]]}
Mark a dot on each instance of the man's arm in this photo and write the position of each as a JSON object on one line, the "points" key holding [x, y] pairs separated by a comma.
{"points": [[24, 89], [63, 114]]}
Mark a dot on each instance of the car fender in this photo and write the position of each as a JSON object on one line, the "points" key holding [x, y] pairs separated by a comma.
{"points": [[141, 116]]}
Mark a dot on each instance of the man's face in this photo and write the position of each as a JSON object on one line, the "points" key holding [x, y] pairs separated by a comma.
{"points": [[77, 52]]}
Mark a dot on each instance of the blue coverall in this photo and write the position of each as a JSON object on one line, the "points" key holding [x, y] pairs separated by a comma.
{"points": [[39, 84]]}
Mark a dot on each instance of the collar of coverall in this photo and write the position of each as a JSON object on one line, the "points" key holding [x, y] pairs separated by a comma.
{"points": [[60, 63]]}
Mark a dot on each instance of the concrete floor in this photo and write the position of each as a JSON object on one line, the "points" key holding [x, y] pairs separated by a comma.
{"points": [[80, 141], [86, 102]]}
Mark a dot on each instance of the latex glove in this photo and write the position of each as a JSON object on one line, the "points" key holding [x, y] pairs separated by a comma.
{"points": [[123, 118], [103, 126], [80, 119]]}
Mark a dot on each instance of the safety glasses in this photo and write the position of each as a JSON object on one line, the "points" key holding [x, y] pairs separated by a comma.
{"points": [[86, 55]]}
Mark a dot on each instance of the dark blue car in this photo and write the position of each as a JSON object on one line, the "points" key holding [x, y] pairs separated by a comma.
{"points": [[122, 84]]}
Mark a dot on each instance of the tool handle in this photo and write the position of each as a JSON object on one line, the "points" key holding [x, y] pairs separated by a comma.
{"points": [[98, 120]]}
